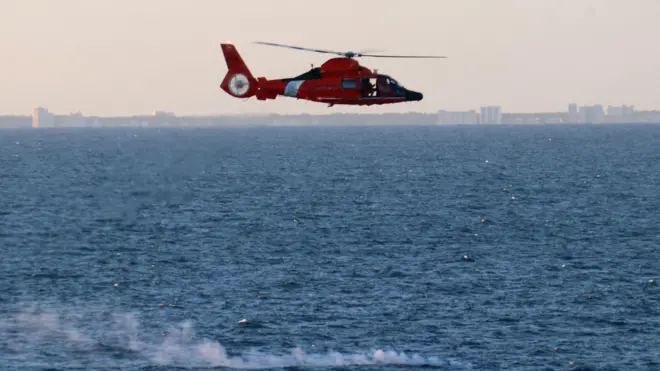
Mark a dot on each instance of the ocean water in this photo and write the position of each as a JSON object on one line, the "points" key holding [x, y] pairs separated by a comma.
{"points": [[342, 248]]}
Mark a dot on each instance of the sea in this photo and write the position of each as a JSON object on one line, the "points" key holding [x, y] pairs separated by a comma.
{"points": [[485, 247]]}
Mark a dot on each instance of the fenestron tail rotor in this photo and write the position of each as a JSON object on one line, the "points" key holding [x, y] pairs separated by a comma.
{"points": [[347, 54]]}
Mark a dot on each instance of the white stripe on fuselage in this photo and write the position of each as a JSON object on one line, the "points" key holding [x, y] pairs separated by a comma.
{"points": [[291, 89]]}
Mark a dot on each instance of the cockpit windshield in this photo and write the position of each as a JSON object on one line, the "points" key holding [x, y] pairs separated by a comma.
{"points": [[394, 82], [390, 81], [389, 86]]}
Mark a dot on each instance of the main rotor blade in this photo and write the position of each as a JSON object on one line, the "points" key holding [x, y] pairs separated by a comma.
{"points": [[370, 51], [399, 56], [346, 54], [299, 48]]}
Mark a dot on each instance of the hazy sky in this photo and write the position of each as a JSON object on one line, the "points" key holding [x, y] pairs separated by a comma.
{"points": [[135, 56]]}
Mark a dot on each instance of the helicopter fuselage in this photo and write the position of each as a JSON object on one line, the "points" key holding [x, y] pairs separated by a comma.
{"points": [[338, 81]]}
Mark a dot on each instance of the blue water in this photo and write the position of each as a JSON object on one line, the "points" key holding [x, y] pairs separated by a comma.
{"points": [[343, 248]]}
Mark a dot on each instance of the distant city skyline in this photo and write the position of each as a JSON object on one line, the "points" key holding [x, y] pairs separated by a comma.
{"points": [[41, 117], [492, 110], [125, 57]]}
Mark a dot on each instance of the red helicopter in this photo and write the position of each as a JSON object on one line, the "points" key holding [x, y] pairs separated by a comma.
{"points": [[338, 81]]}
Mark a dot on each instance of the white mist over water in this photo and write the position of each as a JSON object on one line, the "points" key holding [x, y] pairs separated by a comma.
{"points": [[71, 336]]}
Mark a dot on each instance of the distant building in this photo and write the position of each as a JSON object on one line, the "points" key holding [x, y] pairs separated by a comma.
{"points": [[456, 118], [592, 114], [491, 115], [620, 111], [573, 113], [534, 118], [645, 117], [72, 120], [41, 118], [14, 121], [96, 123], [162, 113]]}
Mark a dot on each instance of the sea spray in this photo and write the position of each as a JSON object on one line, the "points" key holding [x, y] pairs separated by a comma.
{"points": [[73, 336]]}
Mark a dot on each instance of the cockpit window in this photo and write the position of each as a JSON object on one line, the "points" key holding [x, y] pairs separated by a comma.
{"points": [[391, 82]]}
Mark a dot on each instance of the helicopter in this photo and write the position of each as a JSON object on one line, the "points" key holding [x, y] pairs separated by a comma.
{"points": [[339, 80]]}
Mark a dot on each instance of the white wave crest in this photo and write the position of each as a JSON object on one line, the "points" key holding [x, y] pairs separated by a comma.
{"points": [[179, 346]]}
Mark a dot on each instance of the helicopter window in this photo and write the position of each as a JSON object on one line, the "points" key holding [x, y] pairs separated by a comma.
{"points": [[348, 84], [384, 83]]}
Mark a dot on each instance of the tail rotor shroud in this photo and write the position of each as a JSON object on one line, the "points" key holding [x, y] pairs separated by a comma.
{"points": [[239, 84]]}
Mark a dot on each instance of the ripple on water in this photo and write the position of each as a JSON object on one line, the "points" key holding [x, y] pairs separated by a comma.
{"points": [[342, 247]]}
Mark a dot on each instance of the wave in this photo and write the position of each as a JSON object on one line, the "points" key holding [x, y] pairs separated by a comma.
{"points": [[121, 337]]}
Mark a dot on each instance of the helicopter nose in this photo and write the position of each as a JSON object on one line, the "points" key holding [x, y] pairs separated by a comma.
{"points": [[413, 95]]}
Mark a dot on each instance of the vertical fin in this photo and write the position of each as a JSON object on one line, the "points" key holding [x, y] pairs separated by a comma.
{"points": [[238, 81]]}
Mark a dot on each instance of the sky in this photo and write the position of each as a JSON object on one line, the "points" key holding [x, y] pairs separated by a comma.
{"points": [[124, 57]]}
